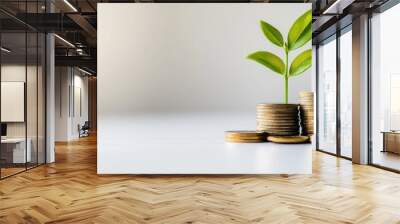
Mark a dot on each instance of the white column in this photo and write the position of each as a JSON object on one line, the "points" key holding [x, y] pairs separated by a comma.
{"points": [[50, 100]]}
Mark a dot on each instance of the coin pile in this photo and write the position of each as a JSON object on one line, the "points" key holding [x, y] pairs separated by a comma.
{"points": [[278, 119], [307, 112], [245, 136], [289, 139]]}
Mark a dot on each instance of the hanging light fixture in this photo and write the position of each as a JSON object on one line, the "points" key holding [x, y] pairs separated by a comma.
{"points": [[84, 71], [65, 41], [70, 5], [5, 50]]}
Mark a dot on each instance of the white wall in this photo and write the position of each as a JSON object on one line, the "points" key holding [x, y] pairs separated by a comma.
{"points": [[67, 84], [62, 80], [80, 109], [175, 76]]}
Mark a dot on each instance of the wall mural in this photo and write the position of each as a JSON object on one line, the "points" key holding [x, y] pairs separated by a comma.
{"points": [[183, 81]]}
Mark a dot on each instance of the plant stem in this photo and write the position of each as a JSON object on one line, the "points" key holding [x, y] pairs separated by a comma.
{"points": [[286, 89], [286, 75]]}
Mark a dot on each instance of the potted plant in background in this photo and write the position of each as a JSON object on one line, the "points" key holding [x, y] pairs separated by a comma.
{"points": [[282, 119]]}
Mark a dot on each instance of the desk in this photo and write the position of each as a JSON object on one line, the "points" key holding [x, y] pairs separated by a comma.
{"points": [[15, 148], [391, 141]]}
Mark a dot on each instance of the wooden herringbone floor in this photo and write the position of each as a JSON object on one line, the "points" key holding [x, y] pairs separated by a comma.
{"points": [[69, 191]]}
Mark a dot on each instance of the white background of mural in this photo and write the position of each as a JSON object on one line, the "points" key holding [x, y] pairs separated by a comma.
{"points": [[182, 80]]}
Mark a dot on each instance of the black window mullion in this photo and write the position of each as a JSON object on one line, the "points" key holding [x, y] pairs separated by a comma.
{"points": [[338, 74], [369, 74], [317, 96], [37, 90], [0, 94], [45, 89], [26, 87]]}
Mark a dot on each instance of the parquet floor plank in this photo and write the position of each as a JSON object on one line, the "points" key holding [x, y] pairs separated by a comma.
{"points": [[70, 191]]}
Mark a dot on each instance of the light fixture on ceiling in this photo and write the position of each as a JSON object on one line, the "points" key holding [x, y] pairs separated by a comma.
{"points": [[331, 8], [70, 5], [84, 71], [79, 51], [64, 40], [5, 50], [337, 7]]}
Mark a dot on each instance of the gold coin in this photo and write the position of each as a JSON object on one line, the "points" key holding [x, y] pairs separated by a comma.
{"points": [[306, 102], [244, 141], [251, 133], [289, 139], [278, 116], [277, 128], [283, 134], [245, 136], [306, 93], [262, 114], [263, 122], [289, 126], [276, 105]]}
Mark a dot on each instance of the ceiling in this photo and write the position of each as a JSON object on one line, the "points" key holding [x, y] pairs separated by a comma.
{"points": [[76, 21]]}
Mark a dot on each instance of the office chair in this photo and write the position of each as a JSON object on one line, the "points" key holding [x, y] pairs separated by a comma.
{"points": [[84, 130]]}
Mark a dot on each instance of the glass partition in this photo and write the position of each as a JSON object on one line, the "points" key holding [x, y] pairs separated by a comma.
{"points": [[14, 155], [327, 96], [385, 89], [22, 77], [346, 93]]}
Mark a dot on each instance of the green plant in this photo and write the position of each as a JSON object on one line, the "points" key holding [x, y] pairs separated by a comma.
{"points": [[299, 34]]}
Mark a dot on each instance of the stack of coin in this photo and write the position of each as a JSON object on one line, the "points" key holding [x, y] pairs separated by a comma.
{"points": [[307, 112], [278, 119], [245, 136], [289, 139]]}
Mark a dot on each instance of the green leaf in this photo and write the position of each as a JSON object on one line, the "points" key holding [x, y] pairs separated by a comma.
{"points": [[269, 60], [272, 34], [301, 63], [300, 32]]}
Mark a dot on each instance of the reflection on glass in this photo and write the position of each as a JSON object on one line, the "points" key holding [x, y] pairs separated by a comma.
{"points": [[327, 97], [385, 84], [22, 90], [13, 83], [394, 101], [346, 94]]}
